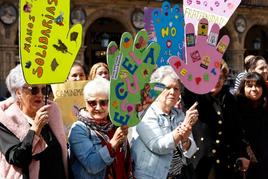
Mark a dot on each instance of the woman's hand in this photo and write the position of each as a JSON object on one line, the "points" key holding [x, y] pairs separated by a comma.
{"points": [[191, 115], [182, 132], [119, 137], [243, 164], [41, 119]]}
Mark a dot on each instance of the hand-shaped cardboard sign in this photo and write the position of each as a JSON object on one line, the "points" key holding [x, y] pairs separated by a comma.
{"points": [[215, 11], [203, 55], [130, 69], [169, 29], [48, 47]]}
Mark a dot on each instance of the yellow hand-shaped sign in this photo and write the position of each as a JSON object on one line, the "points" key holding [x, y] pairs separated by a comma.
{"points": [[48, 47]]}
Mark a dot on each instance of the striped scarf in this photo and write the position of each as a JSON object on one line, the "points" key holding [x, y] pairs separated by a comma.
{"points": [[176, 164]]}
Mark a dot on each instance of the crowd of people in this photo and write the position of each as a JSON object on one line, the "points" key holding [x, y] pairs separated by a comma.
{"points": [[182, 135]]}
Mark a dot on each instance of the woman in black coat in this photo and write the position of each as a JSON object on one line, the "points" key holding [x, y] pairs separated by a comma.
{"points": [[252, 103], [215, 132]]}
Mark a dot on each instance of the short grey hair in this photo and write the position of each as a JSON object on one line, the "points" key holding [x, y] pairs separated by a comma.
{"points": [[97, 85], [15, 80], [162, 72]]}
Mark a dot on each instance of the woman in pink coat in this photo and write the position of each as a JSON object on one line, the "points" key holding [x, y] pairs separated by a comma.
{"points": [[32, 139]]}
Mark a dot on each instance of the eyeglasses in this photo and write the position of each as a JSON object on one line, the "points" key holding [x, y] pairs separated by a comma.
{"points": [[102, 103], [35, 90]]}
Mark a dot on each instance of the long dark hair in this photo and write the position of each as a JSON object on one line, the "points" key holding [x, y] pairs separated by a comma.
{"points": [[259, 81]]}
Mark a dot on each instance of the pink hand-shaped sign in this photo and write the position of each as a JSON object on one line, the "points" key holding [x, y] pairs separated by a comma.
{"points": [[203, 55]]}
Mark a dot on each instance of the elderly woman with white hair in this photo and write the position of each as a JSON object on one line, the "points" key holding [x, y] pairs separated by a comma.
{"points": [[32, 140], [98, 149], [164, 133]]}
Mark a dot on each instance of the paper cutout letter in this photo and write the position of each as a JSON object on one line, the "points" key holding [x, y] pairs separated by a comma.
{"points": [[130, 68], [204, 56], [48, 47]]}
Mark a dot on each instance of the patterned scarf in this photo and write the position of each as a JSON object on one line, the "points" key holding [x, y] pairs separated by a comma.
{"points": [[103, 128]]}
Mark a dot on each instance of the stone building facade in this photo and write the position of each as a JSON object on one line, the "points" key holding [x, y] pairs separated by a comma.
{"points": [[106, 20]]}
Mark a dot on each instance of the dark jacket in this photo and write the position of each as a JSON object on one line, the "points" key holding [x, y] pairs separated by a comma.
{"points": [[215, 133], [254, 127]]}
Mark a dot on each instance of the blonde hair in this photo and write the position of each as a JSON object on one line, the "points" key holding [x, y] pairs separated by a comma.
{"points": [[94, 68]]}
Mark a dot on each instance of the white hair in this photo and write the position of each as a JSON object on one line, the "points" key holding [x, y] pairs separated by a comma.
{"points": [[97, 85], [15, 80], [162, 72]]}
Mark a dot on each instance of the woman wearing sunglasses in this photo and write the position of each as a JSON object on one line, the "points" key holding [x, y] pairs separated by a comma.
{"points": [[98, 149], [32, 140], [252, 103]]}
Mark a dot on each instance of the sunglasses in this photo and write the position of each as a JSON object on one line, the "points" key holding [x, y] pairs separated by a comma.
{"points": [[102, 103], [35, 90]]}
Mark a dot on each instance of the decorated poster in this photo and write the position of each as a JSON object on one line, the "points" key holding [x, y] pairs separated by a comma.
{"points": [[69, 97], [168, 24], [148, 24], [204, 53], [48, 47], [215, 11], [131, 66]]}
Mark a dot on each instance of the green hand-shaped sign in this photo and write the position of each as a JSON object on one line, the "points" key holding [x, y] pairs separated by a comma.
{"points": [[48, 47], [130, 68]]}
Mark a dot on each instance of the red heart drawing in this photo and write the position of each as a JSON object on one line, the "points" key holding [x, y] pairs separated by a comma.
{"points": [[198, 80], [177, 64]]}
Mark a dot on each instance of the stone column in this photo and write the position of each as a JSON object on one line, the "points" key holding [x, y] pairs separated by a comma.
{"points": [[8, 57], [235, 59], [81, 55]]}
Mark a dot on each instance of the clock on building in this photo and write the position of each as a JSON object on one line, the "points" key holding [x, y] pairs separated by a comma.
{"points": [[137, 19], [240, 24], [78, 15], [8, 13]]}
